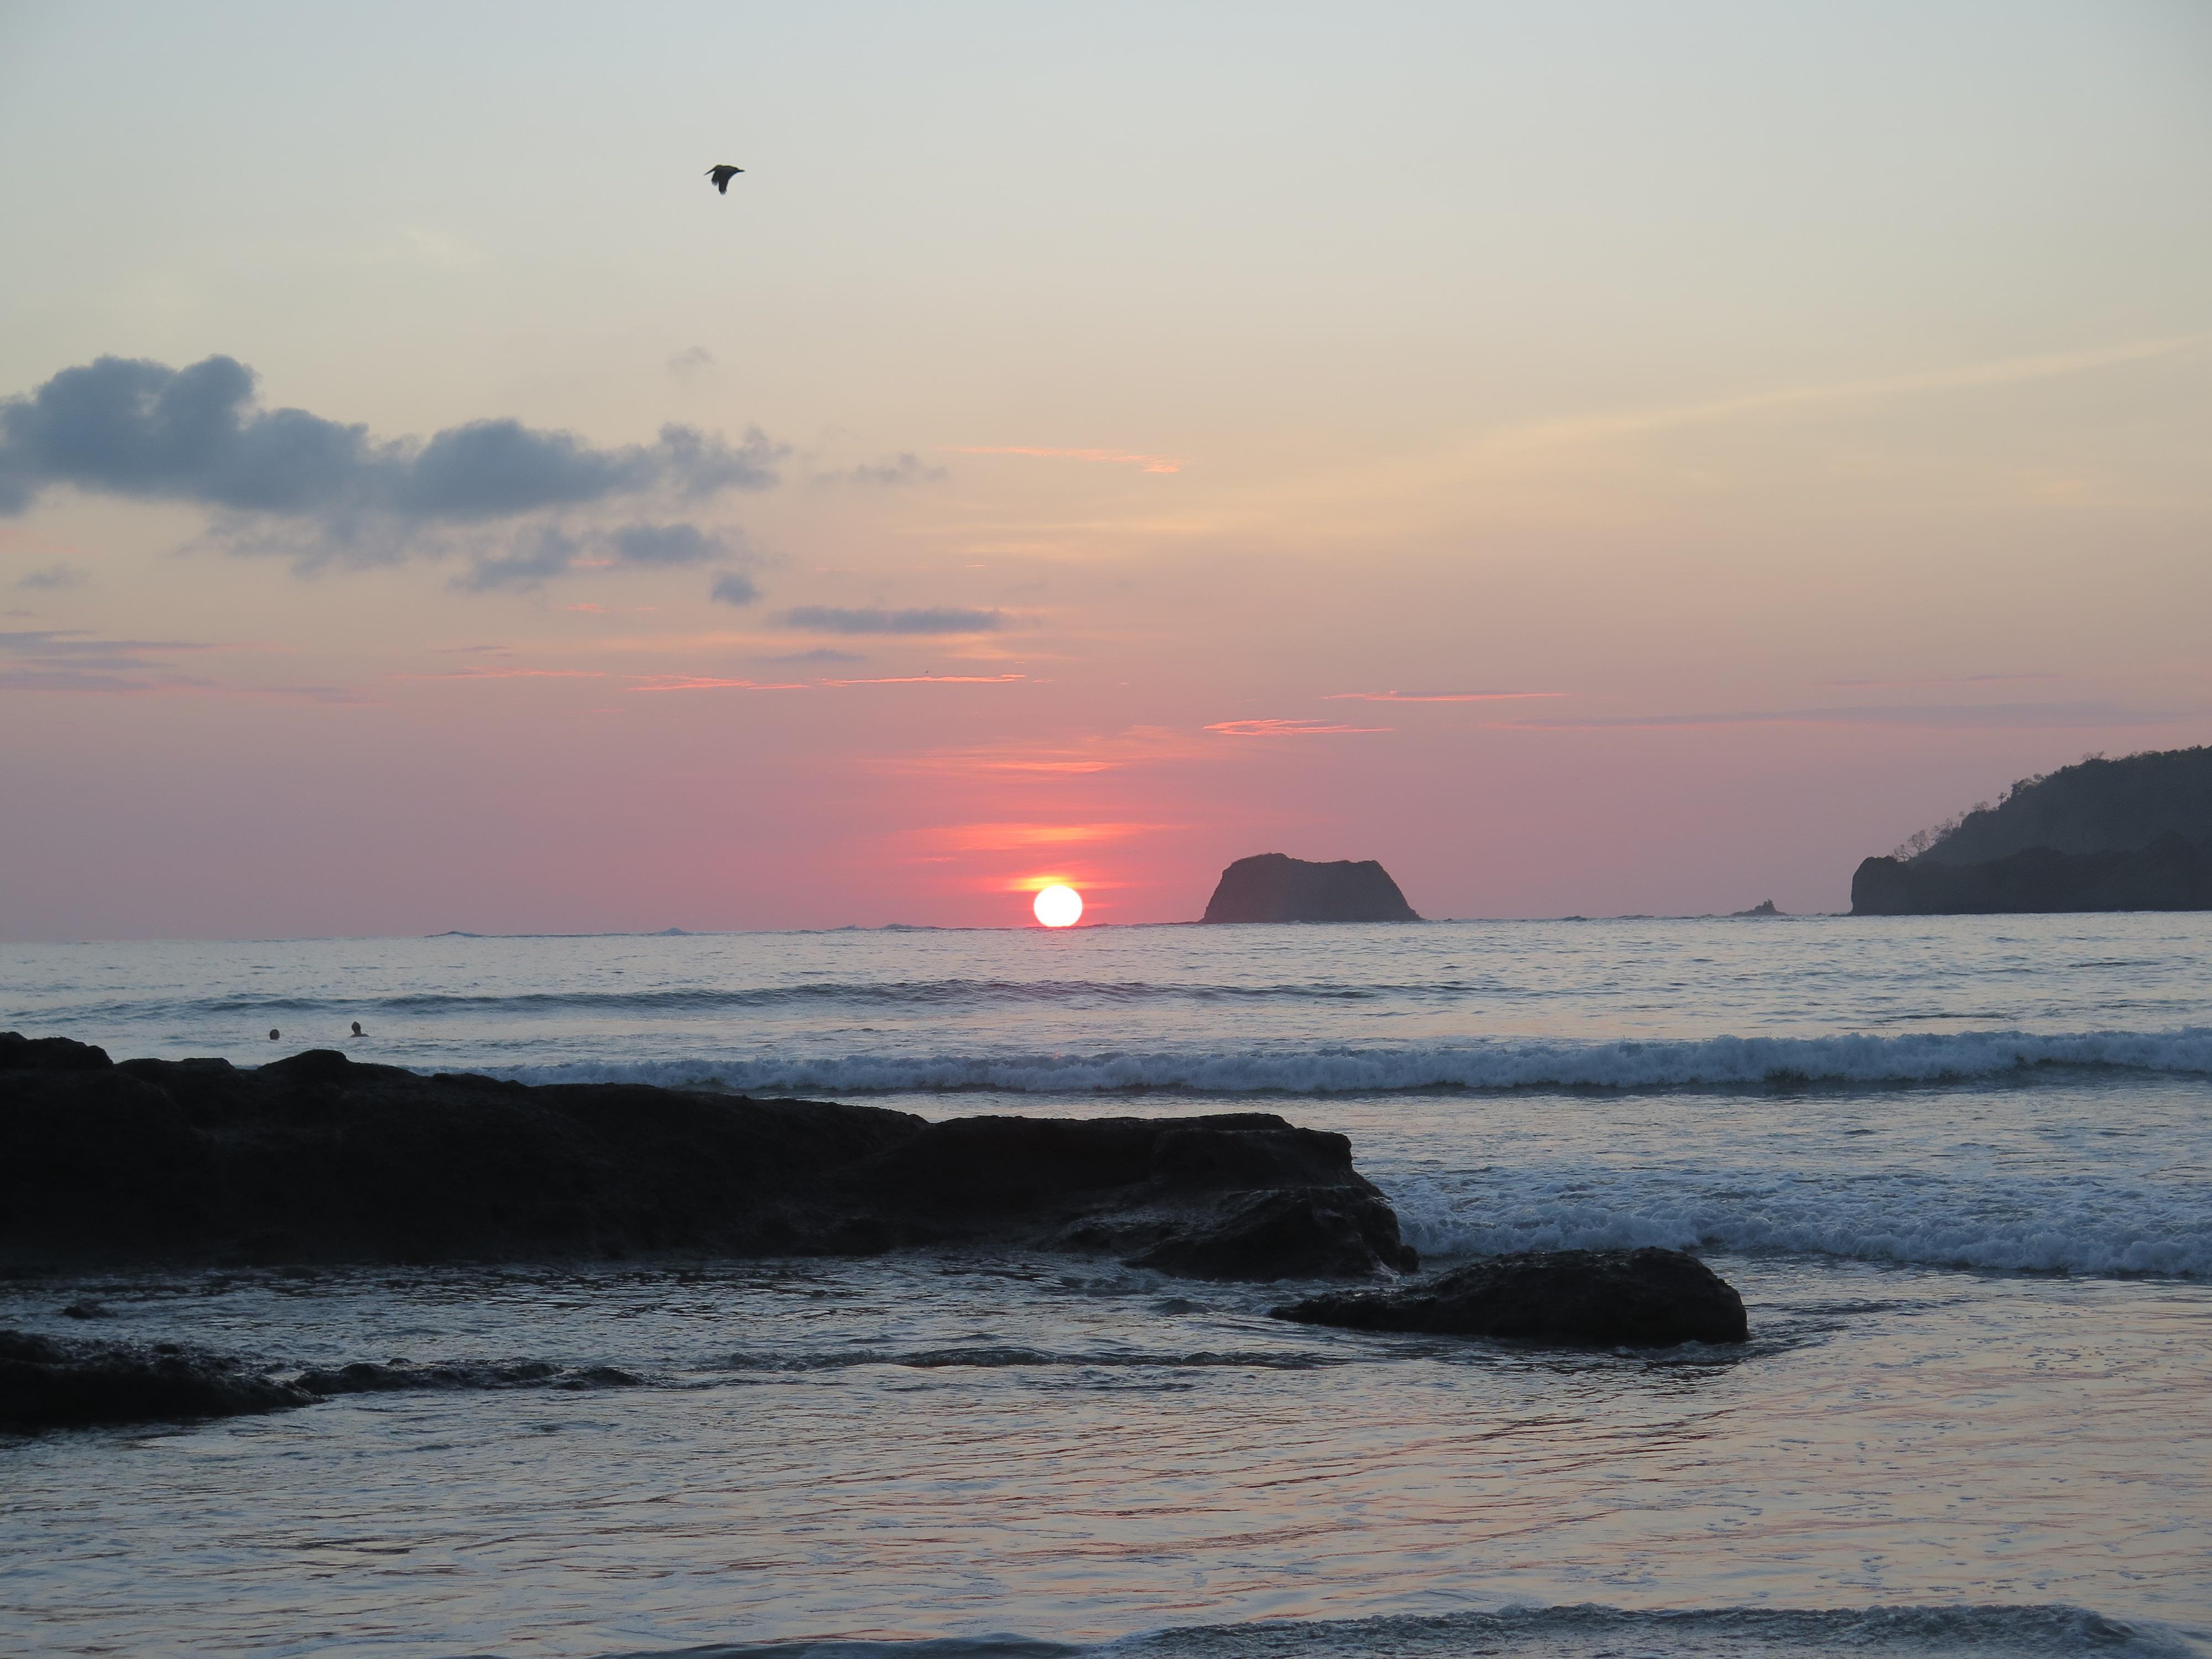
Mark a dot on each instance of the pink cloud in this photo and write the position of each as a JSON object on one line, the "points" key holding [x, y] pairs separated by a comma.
{"points": [[1137, 746], [508, 674], [1288, 728], [1436, 696], [1007, 837], [700, 683], [931, 679]]}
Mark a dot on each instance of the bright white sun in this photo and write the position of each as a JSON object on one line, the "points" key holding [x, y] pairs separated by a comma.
{"points": [[1059, 907]]}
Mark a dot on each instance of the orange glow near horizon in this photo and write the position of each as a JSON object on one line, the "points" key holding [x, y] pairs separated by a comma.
{"points": [[1058, 907]]}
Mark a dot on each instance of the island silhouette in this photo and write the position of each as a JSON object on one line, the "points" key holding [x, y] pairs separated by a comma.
{"points": [[1275, 887], [2134, 834]]}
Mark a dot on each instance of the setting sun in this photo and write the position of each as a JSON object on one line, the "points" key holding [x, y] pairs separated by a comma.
{"points": [[1059, 907]]}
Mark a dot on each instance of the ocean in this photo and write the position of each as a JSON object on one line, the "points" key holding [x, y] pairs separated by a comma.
{"points": [[1960, 1168]]}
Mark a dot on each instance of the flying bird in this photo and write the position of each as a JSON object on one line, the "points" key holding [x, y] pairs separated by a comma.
{"points": [[722, 175]]}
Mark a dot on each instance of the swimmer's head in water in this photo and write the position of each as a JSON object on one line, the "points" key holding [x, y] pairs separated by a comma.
{"points": [[272, 1034], [356, 1028]]}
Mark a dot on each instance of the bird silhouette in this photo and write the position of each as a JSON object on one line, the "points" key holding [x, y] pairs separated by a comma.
{"points": [[722, 175]]}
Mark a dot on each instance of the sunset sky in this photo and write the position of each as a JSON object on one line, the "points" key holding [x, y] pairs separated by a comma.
{"points": [[1593, 457]]}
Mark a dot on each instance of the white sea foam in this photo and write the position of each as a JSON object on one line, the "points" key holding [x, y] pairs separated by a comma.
{"points": [[1587, 1631], [2086, 1227], [1717, 1174], [1726, 1062], [1562, 1632]]}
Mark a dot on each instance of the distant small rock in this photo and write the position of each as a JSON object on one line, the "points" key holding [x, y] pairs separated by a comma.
{"points": [[1764, 907], [1647, 1298], [1275, 887]]}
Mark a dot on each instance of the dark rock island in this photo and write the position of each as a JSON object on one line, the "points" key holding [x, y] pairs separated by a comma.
{"points": [[316, 1158], [1274, 887], [2103, 835]]}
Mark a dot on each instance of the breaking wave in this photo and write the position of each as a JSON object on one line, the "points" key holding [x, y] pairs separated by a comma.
{"points": [[703, 1000], [398, 1375], [2087, 1228], [1570, 1632], [1727, 1062]]}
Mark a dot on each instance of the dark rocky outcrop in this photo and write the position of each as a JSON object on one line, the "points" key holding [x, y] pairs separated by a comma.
{"points": [[1306, 1233], [2170, 874], [2105, 835], [1275, 887], [2095, 806], [21, 1054], [48, 1383], [317, 1158], [1571, 1298]]}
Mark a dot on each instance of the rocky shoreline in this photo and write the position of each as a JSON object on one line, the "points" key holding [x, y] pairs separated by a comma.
{"points": [[317, 1159]]}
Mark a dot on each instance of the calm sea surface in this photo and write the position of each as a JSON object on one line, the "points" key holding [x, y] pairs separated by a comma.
{"points": [[1961, 1170]]}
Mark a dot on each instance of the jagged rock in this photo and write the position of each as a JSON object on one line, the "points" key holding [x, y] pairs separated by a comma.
{"points": [[47, 1383], [1571, 1298], [317, 1158], [21, 1054], [1306, 1233], [1275, 887]]}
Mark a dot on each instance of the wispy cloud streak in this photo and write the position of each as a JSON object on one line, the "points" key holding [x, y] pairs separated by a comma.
{"points": [[1437, 696], [1285, 728], [2009, 371], [2014, 716], [702, 683], [1109, 457], [871, 619]]}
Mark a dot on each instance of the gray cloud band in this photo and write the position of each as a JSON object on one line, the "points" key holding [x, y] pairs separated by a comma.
{"points": [[132, 427], [833, 619]]}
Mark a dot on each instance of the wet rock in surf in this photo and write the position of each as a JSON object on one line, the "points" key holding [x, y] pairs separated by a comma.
{"points": [[1309, 1233], [1239, 1195], [1647, 1298], [48, 1383]]}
